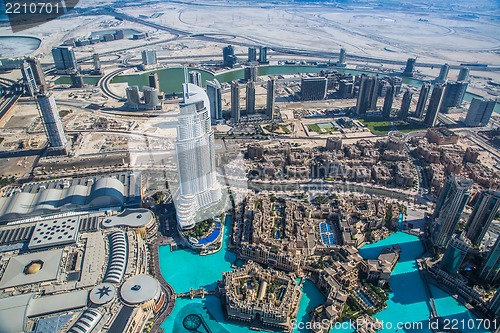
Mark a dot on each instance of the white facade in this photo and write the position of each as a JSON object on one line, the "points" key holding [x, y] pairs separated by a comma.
{"points": [[198, 186]]}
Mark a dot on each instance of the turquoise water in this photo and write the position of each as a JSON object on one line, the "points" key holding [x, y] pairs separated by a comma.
{"points": [[407, 302], [184, 269], [311, 298]]}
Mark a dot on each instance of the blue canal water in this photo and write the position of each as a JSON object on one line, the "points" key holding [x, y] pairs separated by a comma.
{"points": [[408, 302]]}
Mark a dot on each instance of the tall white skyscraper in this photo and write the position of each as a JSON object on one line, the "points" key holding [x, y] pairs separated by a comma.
{"points": [[194, 145], [52, 121]]}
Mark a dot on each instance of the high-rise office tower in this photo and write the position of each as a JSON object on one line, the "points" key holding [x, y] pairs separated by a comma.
{"points": [[97, 61], [77, 81], [434, 105], [363, 101], [228, 57], [443, 74], [252, 54], [151, 99], [449, 207], [383, 87], [405, 104], [483, 214], [455, 254], [388, 100], [422, 99], [270, 98], [463, 75], [33, 75], [345, 89], [154, 81], [195, 78], [194, 148], [133, 97], [251, 73], [490, 269], [396, 83], [494, 306], [342, 58], [374, 93], [480, 112], [52, 122], [410, 67], [313, 88], [263, 54], [250, 102], [453, 95], [64, 58], [149, 57], [119, 34], [235, 101], [29, 78], [333, 143], [214, 92]]}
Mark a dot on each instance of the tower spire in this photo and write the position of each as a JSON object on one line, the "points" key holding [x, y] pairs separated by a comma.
{"points": [[185, 86]]}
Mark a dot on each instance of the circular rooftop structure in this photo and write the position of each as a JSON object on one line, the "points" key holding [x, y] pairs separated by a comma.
{"points": [[103, 293], [140, 289], [33, 267]]}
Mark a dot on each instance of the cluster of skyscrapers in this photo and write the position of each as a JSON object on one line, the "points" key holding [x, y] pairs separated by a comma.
{"points": [[262, 55], [250, 106], [372, 87], [149, 58], [453, 198], [151, 98], [34, 79], [229, 59]]}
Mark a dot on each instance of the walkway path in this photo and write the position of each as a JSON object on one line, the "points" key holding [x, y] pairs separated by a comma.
{"points": [[169, 291]]}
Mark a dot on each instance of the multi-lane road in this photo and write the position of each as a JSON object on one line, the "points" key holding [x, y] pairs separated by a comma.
{"points": [[229, 38]]}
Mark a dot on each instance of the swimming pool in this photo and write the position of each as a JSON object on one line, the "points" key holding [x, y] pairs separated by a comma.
{"points": [[326, 234]]}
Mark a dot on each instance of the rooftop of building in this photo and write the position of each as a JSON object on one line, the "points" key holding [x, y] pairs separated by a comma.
{"points": [[140, 289], [133, 218]]}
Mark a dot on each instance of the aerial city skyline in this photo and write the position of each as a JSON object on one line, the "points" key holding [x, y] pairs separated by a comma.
{"points": [[238, 167]]}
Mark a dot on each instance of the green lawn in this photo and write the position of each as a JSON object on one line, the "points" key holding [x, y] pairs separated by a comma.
{"points": [[285, 129], [384, 127], [64, 113], [317, 129], [275, 128]]}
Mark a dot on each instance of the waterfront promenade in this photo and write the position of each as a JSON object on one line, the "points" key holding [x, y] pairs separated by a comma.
{"points": [[168, 307]]}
